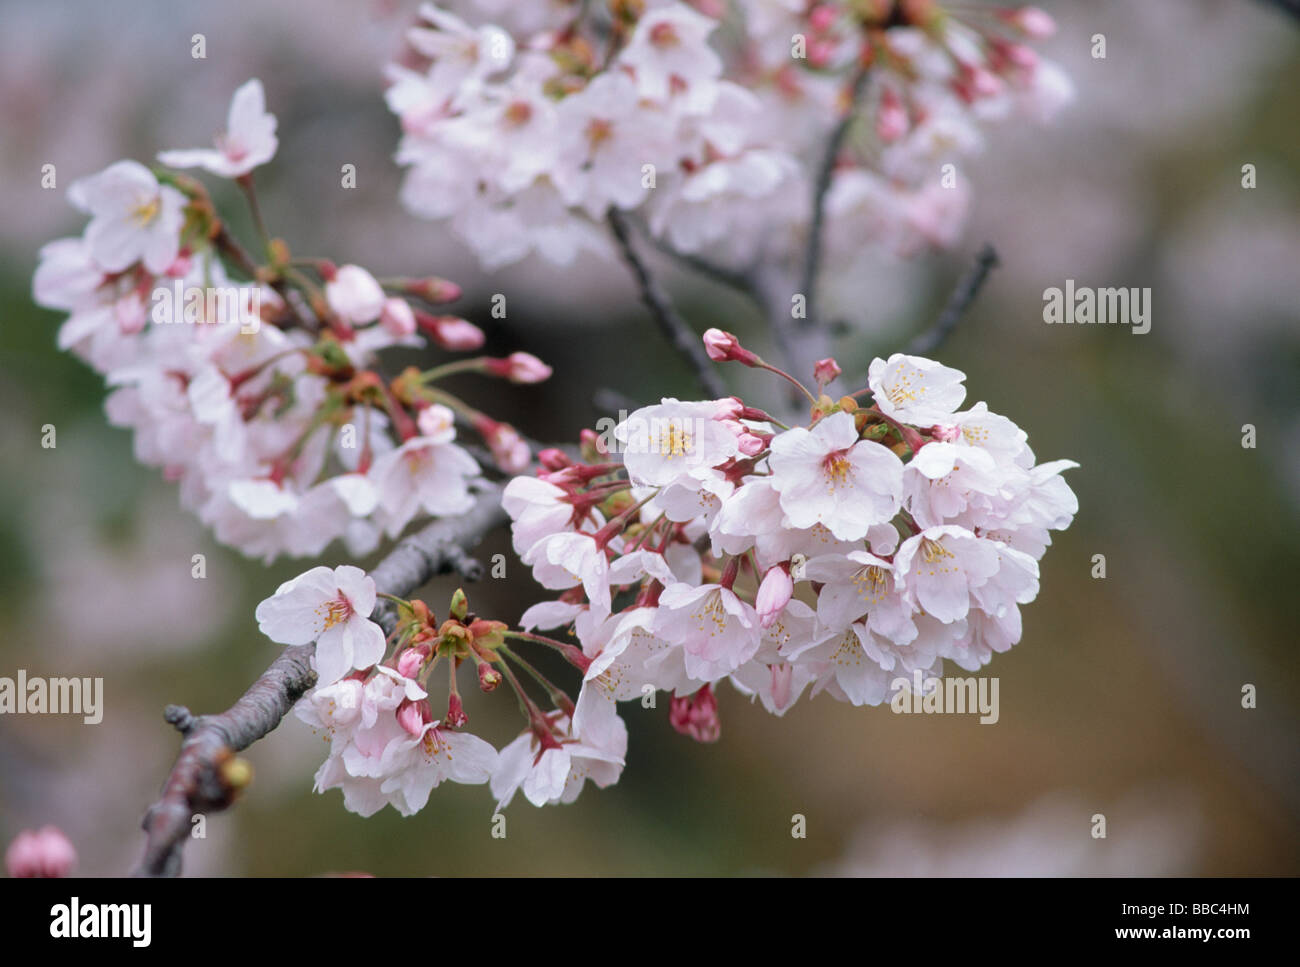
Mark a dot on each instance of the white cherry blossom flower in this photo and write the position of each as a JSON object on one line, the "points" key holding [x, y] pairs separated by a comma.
{"points": [[133, 217], [331, 608], [827, 475], [248, 141], [916, 390]]}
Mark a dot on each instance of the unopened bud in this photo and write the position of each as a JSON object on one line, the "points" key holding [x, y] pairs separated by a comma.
{"points": [[826, 371], [696, 715], [433, 290], [397, 317], [236, 774], [43, 852], [459, 605], [519, 368], [411, 717], [773, 594], [724, 347], [1032, 21], [553, 459], [410, 662], [451, 332]]}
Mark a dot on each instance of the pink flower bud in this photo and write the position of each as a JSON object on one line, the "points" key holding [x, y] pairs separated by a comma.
{"points": [[728, 409], [434, 290], [397, 317], [696, 715], [822, 17], [773, 594], [553, 459], [410, 662], [983, 83], [520, 368], [718, 344], [724, 347], [354, 295], [508, 448], [411, 716], [826, 371], [43, 852], [751, 444], [1033, 21], [451, 332], [1018, 55]]}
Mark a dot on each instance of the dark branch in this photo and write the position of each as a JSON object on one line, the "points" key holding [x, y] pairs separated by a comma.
{"points": [[1287, 6], [207, 777], [608, 400], [813, 250], [963, 295], [739, 279], [679, 335]]}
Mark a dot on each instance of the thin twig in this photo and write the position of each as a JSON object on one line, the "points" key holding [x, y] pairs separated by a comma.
{"points": [[206, 777], [739, 279], [679, 335], [968, 287], [813, 249]]}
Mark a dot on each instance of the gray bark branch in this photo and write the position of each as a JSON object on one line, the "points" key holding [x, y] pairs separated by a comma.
{"points": [[688, 343], [205, 777]]}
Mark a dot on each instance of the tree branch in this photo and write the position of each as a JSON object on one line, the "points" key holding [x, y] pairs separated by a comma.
{"points": [[1286, 6], [968, 287], [206, 776], [679, 335], [813, 250]]}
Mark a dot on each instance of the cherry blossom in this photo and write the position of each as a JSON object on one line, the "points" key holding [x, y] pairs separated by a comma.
{"points": [[331, 608], [249, 139], [132, 217]]}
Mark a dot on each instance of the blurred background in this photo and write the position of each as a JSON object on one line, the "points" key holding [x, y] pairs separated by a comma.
{"points": [[1124, 695]]}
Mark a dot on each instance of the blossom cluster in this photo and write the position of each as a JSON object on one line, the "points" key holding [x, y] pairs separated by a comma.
{"points": [[711, 542], [524, 122], [254, 382], [385, 745], [695, 542]]}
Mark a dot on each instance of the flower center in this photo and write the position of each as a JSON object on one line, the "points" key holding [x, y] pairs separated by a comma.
{"points": [[598, 132], [664, 35], [519, 113], [676, 442], [336, 611], [870, 582], [713, 611], [849, 653], [144, 214], [901, 391], [837, 469], [932, 551]]}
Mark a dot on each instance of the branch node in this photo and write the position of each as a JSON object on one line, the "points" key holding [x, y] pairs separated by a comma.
{"points": [[180, 717]]}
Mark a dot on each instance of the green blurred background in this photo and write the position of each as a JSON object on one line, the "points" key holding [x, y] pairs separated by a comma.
{"points": [[1124, 696]]}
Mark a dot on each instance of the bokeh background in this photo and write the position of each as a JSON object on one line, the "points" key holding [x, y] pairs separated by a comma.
{"points": [[1124, 696]]}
